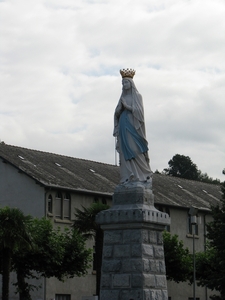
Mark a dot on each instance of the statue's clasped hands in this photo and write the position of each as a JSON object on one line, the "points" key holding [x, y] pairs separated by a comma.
{"points": [[125, 104]]}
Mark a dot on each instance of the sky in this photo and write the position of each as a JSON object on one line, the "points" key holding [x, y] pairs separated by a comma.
{"points": [[60, 80]]}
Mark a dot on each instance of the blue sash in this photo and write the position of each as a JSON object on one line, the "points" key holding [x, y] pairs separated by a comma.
{"points": [[124, 126]]}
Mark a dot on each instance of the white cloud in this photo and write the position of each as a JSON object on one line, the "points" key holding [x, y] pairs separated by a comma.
{"points": [[60, 82]]}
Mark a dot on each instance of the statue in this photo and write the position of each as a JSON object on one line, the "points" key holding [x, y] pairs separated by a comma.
{"points": [[129, 128]]}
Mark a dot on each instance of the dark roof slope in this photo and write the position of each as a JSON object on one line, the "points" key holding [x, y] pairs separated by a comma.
{"points": [[56, 170], [53, 170]]}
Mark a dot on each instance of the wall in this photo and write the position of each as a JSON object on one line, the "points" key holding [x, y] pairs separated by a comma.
{"points": [[77, 286], [179, 226], [19, 190]]}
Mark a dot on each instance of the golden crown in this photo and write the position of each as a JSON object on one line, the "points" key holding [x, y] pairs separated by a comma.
{"points": [[127, 73]]}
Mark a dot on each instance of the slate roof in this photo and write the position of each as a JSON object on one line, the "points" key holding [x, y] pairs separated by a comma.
{"points": [[54, 170]]}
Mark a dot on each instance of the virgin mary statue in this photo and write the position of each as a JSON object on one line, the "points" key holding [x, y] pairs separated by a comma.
{"points": [[129, 128]]}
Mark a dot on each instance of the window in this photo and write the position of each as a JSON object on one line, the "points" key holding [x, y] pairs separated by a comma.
{"points": [[66, 206], [50, 203], [192, 229], [96, 200], [62, 206], [62, 297], [104, 201], [58, 205]]}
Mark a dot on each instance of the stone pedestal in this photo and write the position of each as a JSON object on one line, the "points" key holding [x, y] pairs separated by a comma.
{"points": [[133, 265]]}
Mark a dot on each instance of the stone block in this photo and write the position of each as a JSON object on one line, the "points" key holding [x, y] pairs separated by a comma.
{"points": [[152, 265], [113, 236], [132, 265], [149, 280], [156, 295], [111, 266], [132, 236], [137, 281], [160, 281], [158, 251], [162, 267], [129, 294], [152, 237], [146, 265], [145, 238], [121, 280], [136, 250], [147, 250], [121, 251], [107, 251], [146, 295], [109, 294], [160, 238], [106, 281], [164, 295]]}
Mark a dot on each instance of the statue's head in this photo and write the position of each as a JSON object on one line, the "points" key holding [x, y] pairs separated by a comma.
{"points": [[126, 83]]}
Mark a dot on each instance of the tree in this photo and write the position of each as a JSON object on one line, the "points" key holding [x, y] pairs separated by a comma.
{"points": [[55, 253], [183, 167], [210, 265], [85, 224], [177, 258], [205, 178], [14, 236]]}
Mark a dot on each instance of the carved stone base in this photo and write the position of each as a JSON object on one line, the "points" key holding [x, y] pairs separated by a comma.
{"points": [[133, 265]]}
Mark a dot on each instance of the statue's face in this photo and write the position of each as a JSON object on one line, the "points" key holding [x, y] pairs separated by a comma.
{"points": [[126, 84]]}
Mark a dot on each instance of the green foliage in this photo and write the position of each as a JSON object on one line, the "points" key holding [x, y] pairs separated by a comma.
{"points": [[14, 237], [85, 219], [55, 253], [205, 178], [206, 266], [13, 229], [183, 167], [85, 223], [177, 258], [52, 252], [210, 265]]}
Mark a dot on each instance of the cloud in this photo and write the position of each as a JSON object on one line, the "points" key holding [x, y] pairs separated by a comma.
{"points": [[60, 82]]}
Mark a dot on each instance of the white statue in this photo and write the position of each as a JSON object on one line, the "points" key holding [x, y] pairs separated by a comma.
{"points": [[129, 128]]}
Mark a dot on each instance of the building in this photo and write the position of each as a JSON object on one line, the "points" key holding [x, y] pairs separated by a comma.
{"points": [[52, 185]]}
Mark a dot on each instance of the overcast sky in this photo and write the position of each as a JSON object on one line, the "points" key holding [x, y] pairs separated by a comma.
{"points": [[60, 81]]}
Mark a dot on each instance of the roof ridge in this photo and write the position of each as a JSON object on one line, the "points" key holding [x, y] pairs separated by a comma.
{"points": [[62, 155]]}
